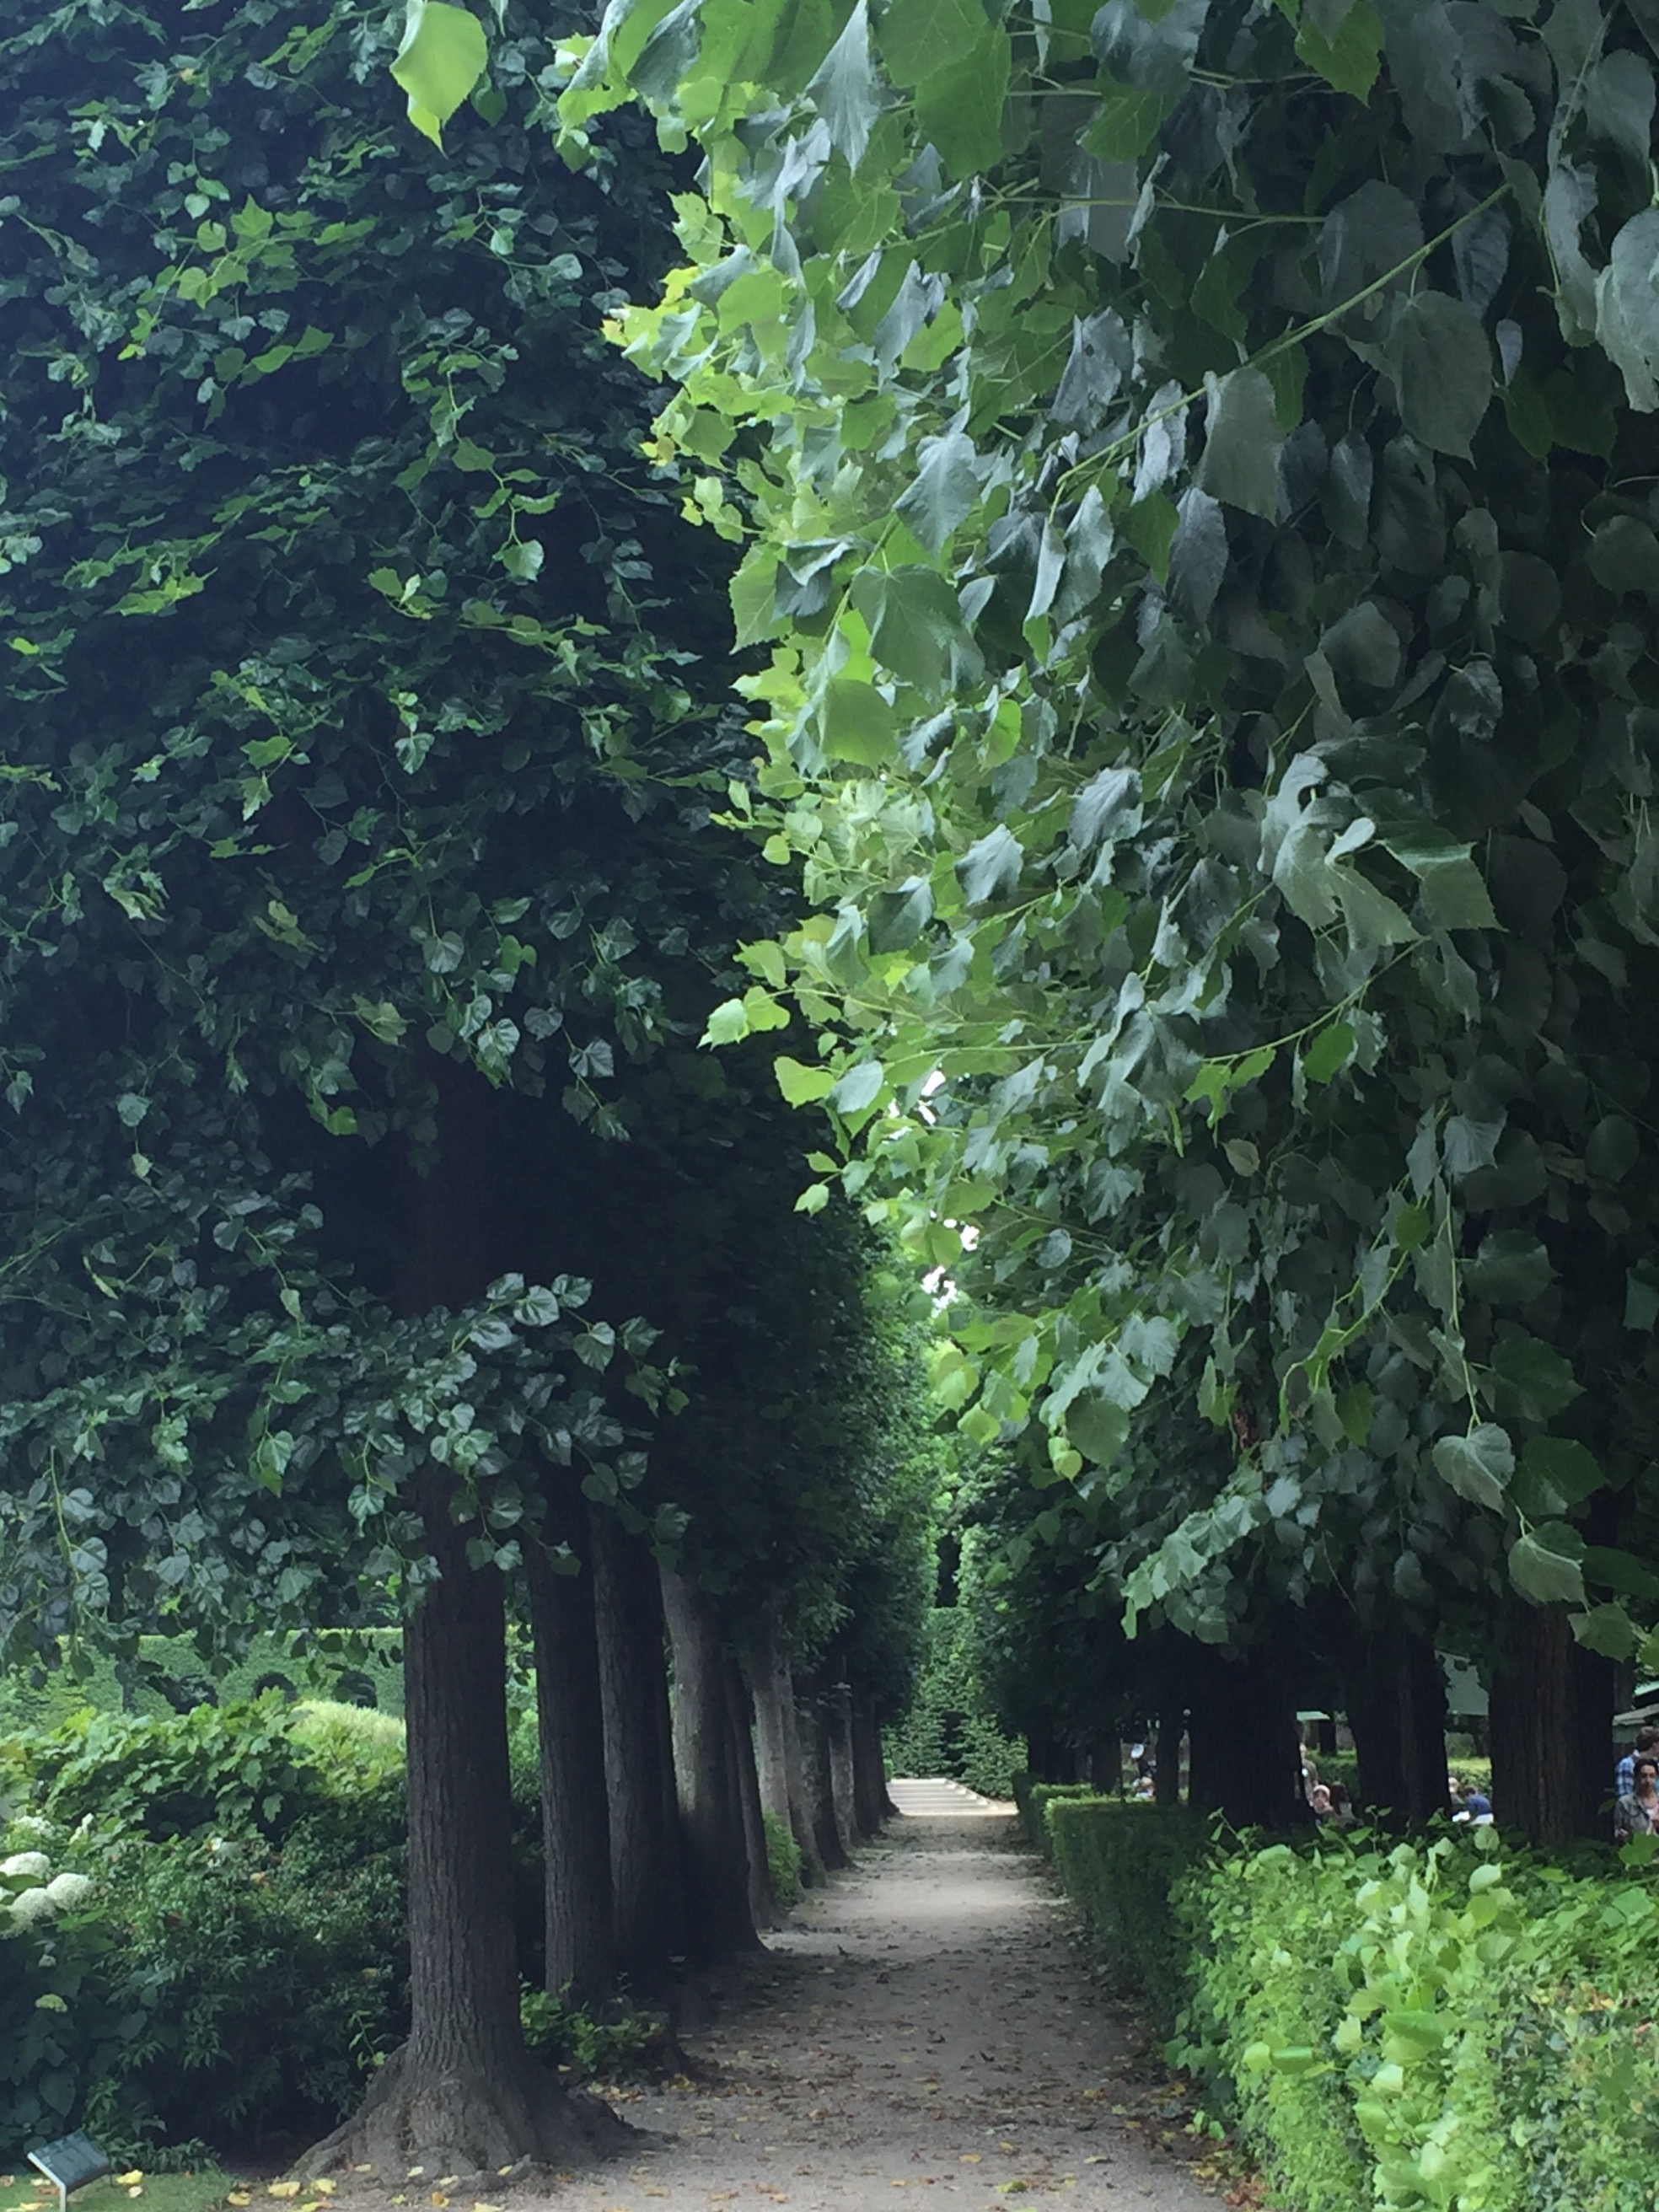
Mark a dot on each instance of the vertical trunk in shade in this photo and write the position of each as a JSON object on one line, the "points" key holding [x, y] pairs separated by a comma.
{"points": [[840, 1764], [1551, 1730], [581, 1952], [870, 1797], [1396, 1703], [1246, 1761], [645, 1860], [714, 1847], [740, 1711], [813, 1724]]}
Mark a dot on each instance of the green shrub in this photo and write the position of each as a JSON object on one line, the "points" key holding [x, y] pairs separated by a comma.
{"points": [[783, 1862], [1450, 2025], [625, 2046], [232, 1766], [1119, 1860]]}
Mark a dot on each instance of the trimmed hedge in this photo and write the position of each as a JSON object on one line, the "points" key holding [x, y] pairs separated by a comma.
{"points": [[1033, 1800], [1443, 2026], [1120, 1860]]}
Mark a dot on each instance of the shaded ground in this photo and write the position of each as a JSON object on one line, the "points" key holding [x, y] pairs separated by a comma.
{"points": [[921, 2025]]}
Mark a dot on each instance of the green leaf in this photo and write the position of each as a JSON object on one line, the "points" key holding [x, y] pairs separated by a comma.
{"points": [[1534, 1380], [727, 1024], [1627, 308], [1619, 1571], [1444, 370], [1556, 1472], [991, 868], [1331, 1050], [1512, 1267], [1545, 1564], [1607, 1629], [1612, 1150], [859, 1088], [1098, 1428], [857, 723], [944, 490], [1478, 1466], [443, 54], [1241, 443], [959, 104], [800, 1084], [846, 91], [1129, 121], [913, 620], [1344, 44]]}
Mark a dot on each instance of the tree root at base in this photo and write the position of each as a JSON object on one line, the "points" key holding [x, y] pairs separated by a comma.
{"points": [[466, 2124]]}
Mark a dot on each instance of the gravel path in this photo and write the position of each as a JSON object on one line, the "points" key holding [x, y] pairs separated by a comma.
{"points": [[923, 2025]]}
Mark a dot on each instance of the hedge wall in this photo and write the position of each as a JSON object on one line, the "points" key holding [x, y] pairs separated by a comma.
{"points": [[1450, 2024]]}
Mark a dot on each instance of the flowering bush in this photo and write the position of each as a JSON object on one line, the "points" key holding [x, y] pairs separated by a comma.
{"points": [[63, 2027]]}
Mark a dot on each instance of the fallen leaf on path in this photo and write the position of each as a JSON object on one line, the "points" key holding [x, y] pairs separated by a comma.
{"points": [[439, 2200], [972, 2157], [282, 2189], [486, 2208], [239, 2196], [130, 2181]]}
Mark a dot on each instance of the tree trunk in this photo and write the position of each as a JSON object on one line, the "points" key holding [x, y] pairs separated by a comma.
{"points": [[840, 1764], [1171, 1726], [463, 2096], [582, 1951], [870, 1797], [1245, 1757], [647, 1894], [1551, 1727], [739, 1711], [716, 1855], [814, 1728], [783, 1787], [1397, 1711], [812, 1868]]}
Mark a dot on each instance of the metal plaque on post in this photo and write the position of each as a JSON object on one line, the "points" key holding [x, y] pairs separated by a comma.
{"points": [[71, 2163]]}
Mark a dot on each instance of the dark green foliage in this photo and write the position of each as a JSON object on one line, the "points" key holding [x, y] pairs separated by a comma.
{"points": [[337, 767], [1120, 1863], [623, 2046]]}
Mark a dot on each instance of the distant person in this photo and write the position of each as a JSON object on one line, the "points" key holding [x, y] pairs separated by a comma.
{"points": [[1477, 1806], [1624, 1776], [1342, 1813], [1637, 1814], [1320, 1798]]}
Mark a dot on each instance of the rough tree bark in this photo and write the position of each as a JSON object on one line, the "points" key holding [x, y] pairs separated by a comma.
{"points": [[871, 1800], [647, 1891], [463, 2096], [1552, 1724], [842, 1782], [1396, 1705], [582, 1951], [778, 1753], [813, 1725], [1245, 1751], [716, 1848], [740, 1715]]}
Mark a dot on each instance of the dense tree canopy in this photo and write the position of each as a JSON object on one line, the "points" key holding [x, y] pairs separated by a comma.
{"points": [[1195, 463]]}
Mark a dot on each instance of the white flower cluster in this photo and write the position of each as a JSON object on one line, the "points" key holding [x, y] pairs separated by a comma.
{"points": [[41, 1899]]}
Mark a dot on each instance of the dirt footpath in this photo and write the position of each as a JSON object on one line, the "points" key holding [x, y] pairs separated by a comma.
{"points": [[922, 2025]]}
